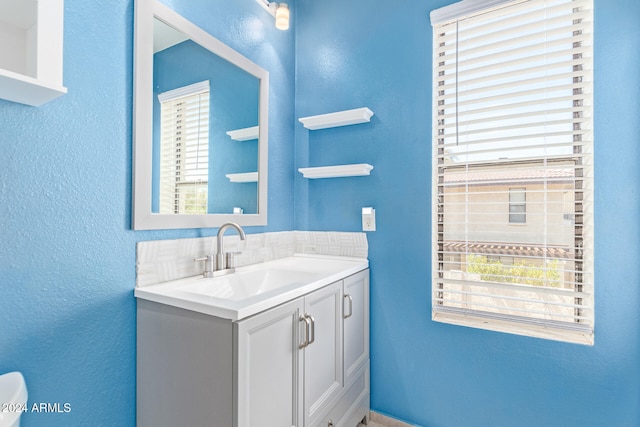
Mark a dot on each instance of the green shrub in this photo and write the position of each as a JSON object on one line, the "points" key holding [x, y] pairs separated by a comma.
{"points": [[521, 272]]}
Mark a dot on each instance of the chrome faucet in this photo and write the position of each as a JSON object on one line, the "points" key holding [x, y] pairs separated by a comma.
{"points": [[224, 261]]}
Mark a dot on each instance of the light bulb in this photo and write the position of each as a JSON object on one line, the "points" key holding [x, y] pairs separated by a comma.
{"points": [[282, 16]]}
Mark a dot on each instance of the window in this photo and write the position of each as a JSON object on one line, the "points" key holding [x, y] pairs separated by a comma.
{"points": [[517, 206], [184, 149], [512, 126]]}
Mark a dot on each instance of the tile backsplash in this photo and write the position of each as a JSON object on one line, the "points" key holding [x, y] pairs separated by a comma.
{"points": [[163, 260]]}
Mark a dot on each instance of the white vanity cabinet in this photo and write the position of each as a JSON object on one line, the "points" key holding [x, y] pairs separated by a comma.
{"points": [[268, 371], [323, 355], [356, 324], [304, 363], [290, 360], [351, 403]]}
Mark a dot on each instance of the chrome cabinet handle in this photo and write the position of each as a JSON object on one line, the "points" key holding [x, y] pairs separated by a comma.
{"points": [[313, 330], [348, 297], [307, 328]]}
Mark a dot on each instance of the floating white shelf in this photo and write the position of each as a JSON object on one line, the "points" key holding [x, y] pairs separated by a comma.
{"points": [[360, 169], [31, 75], [243, 177], [27, 90], [340, 118], [245, 134]]}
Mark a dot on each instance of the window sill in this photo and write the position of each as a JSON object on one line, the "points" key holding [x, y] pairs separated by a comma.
{"points": [[525, 329]]}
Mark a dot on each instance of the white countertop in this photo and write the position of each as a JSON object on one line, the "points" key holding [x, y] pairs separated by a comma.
{"points": [[236, 297]]}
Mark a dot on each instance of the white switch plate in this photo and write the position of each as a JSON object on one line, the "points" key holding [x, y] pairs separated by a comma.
{"points": [[368, 219]]}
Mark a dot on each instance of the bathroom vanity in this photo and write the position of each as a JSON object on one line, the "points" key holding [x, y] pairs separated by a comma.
{"points": [[281, 343]]}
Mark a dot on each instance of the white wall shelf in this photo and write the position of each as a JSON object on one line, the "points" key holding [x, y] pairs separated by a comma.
{"points": [[339, 171], [243, 177], [31, 58], [246, 134], [340, 118]]}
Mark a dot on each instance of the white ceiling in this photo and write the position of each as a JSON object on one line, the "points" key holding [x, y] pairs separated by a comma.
{"points": [[164, 36]]}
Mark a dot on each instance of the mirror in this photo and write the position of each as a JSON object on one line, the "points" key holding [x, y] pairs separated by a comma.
{"points": [[200, 127]]}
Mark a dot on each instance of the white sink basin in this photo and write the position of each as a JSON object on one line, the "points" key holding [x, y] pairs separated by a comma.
{"points": [[253, 288], [247, 284], [13, 397]]}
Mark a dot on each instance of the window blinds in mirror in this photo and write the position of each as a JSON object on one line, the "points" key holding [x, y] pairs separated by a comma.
{"points": [[184, 149]]}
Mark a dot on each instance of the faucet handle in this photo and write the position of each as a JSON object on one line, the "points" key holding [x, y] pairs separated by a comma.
{"points": [[231, 259], [209, 266]]}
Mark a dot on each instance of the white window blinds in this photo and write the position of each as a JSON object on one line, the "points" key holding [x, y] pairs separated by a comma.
{"points": [[513, 110], [184, 149]]}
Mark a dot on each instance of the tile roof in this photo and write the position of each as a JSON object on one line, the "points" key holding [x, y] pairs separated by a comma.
{"points": [[509, 249]]}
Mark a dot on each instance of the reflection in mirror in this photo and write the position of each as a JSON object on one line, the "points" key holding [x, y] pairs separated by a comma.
{"points": [[200, 128], [198, 98]]}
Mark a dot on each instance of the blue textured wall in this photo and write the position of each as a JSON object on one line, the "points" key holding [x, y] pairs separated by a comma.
{"points": [[67, 254], [378, 54]]}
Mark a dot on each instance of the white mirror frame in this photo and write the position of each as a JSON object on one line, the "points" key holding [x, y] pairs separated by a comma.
{"points": [[142, 217]]}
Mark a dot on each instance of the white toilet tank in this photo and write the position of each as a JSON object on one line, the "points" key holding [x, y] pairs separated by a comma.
{"points": [[13, 398]]}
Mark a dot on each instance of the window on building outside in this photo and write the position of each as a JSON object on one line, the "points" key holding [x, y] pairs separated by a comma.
{"points": [[184, 149], [513, 126], [517, 206]]}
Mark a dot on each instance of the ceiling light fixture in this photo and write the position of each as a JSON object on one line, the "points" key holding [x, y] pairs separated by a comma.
{"points": [[280, 11], [282, 16]]}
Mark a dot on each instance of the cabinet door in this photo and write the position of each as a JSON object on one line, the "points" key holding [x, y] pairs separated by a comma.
{"points": [[269, 368], [323, 355], [356, 323]]}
